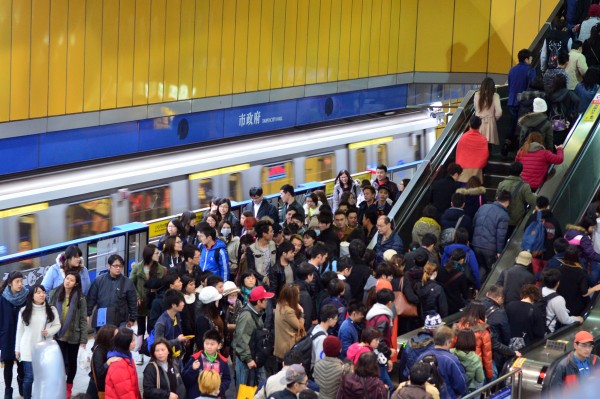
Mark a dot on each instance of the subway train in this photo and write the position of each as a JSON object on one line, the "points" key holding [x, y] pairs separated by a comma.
{"points": [[58, 206]]}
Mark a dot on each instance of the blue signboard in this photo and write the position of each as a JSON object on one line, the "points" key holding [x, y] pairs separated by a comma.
{"points": [[259, 118]]}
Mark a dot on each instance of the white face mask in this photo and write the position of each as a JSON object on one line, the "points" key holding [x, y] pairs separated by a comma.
{"points": [[146, 270], [225, 232]]}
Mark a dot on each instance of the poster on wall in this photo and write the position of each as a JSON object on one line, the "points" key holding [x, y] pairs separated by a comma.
{"points": [[105, 249]]}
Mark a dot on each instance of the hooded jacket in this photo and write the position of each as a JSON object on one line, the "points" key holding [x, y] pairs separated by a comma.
{"points": [[490, 226], [451, 216], [473, 367], [327, 374], [537, 121], [433, 298], [55, 276], [217, 265], [565, 100], [451, 371], [380, 317], [355, 387], [246, 324], [474, 198], [471, 259], [577, 235], [423, 226], [483, 344], [521, 196], [536, 162], [348, 335], [413, 349]]}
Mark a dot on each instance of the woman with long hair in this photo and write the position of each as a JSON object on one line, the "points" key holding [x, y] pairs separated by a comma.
{"points": [[122, 378], [37, 322], [142, 272], [488, 108], [12, 298], [72, 306], [174, 228], [431, 293], [172, 253], [232, 241], [474, 319], [289, 320], [188, 314], [188, 222], [536, 160], [102, 345], [563, 105], [65, 262], [163, 369], [454, 280], [226, 214], [343, 183], [213, 219], [587, 88]]}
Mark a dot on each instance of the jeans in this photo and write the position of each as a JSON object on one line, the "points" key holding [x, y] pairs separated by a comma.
{"points": [[27, 379], [257, 376], [594, 276], [514, 118], [385, 377]]}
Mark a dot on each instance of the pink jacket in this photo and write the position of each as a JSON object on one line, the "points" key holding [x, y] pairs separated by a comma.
{"points": [[536, 163], [357, 349]]}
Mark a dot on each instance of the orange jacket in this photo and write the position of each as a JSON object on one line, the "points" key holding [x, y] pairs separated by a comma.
{"points": [[484, 344]]}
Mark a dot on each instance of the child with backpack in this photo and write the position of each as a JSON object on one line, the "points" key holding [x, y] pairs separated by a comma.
{"points": [[205, 360], [370, 342]]}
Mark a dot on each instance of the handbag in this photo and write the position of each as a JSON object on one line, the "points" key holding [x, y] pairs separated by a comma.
{"points": [[403, 306], [157, 376], [247, 390], [100, 394]]}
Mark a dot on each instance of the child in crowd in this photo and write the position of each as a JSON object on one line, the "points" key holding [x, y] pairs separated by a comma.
{"points": [[248, 282], [369, 342]]}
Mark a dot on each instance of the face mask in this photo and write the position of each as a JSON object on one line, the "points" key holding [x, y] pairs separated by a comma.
{"points": [[231, 301], [146, 270], [318, 232], [225, 232]]}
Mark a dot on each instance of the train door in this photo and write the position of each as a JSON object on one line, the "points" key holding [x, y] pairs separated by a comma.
{"points": [[320, 167], [89, 218], [234, 186], [360, 161], [204, 192], [382, 154]]}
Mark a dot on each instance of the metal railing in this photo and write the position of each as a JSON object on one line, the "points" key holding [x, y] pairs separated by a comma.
{"points": [[506, 386]]}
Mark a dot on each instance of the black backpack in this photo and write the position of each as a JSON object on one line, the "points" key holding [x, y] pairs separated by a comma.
{"points": [[435, 378], [542, 304], [262, 343], [305, 346]]}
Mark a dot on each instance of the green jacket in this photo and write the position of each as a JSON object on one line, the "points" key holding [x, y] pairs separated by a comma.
{"points": [[473, 367], [524, 196], [78, 329], [244, 328], [138, 278]]}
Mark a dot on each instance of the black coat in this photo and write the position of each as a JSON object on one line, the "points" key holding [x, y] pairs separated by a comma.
{"points": [[265, 209], [456, 288], [450, 218], [513, 280], [433, 298], [358, 278], [8, 328], [150, 388], [441, 192], [526, 320], [308, 304], [573, 285], [495, 317]]}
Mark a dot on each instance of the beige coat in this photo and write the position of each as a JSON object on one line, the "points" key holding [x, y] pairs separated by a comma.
{"points": [[288, 330], [489, 117], [576, 68]]}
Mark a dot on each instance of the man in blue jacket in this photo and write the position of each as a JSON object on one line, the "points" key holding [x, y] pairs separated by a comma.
{"points": [[449, 367], [489, 232], [168, 325], [386, 238], [519, 78], [214, 257], [352, 326]]}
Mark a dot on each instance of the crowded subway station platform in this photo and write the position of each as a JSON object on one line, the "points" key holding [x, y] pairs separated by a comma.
{"points": [[337, 199]]}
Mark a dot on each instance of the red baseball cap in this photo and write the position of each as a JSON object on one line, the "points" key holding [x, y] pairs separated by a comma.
{"points": [[583, 337], [259, 293]]}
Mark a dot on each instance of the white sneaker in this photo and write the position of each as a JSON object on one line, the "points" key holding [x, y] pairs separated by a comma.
{"points": [[140, 360]]}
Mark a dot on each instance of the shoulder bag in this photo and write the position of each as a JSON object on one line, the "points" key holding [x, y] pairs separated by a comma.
{"points": [[403, 306], [100, 394]]}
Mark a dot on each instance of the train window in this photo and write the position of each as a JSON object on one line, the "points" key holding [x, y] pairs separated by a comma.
{"points": [[28, 237], [205, 192], [149, 204], [319, 168], [234, 182], [89, 218], [276, 175], [361, 160], [382, 154]]}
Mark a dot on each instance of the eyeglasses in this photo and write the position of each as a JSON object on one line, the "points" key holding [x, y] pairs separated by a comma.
{"points": [[587, 345], [178, 242], [117, 265]]}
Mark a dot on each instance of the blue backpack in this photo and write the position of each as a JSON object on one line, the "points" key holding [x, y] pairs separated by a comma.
{"points": [[534, 236]]}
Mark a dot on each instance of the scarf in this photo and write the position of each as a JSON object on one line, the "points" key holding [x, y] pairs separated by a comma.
{"points": [[17, 299], [126, 356], [66, 323], [211, 358]]}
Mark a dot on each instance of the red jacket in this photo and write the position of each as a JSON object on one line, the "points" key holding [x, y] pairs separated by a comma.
{"points": [[484, 344], [536, 162], [122, 380], [472, 150]]}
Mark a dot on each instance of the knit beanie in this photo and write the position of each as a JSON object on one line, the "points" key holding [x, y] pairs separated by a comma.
{"points": [[332, 346]]}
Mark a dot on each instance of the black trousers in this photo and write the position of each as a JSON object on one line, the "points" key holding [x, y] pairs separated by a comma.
{"points": [[69, 353], [8, 373]]}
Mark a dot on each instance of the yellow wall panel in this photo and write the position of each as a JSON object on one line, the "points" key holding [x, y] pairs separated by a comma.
{"points": [[227, 55], [394, 43], [141, 52], [434, 36], [279, 22], [312, 49], [546, 8], [365, 39], [110, 47], [125, 53], [384, 41], [266, 45], [344, 49], [200, 49], [21, 60], [334, 41], [253, 59], [240, 54], [323, 49], [471, 33], [355, 37], [76, 57], [59, 10], [289, 46], [215, 29], [301, 42], [501, 36], [93, 56], [156, 70], [186, 49], [407, 35], [5, 28], [524, 30], [40, 28], [171, 73], [375, 40]]}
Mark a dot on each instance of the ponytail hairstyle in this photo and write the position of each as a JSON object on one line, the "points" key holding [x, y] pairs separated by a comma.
{"points": [[71, 252], [455, 257], [11, 277], [29, 305], [428, 271], [60, 290]]}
